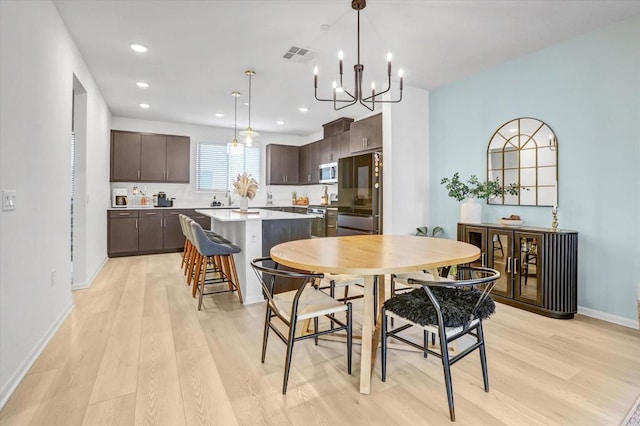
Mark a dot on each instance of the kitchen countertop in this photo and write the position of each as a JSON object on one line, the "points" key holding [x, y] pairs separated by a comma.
{"points": [[228, 215], [200, 206]]}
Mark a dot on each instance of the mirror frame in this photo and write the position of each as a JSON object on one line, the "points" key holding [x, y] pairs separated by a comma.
{"points": [[536, 142]]}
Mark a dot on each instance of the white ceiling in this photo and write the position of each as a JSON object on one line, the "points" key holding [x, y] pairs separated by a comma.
{"points": [[199, 50]]}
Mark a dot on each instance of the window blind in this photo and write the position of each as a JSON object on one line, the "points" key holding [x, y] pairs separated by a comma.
{"points": [[216, 170]]}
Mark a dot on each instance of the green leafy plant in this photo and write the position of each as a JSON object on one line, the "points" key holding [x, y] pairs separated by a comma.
{"points": [[423, 231], [473, 188]]}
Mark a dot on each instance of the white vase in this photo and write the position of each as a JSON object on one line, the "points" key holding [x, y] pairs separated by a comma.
{"points": [[471, 211], [244, 204]]}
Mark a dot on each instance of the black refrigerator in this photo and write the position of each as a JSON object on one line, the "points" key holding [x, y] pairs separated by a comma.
{"points": [[360, 194]]}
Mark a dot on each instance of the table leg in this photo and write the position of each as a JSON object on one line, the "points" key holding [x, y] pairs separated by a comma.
{"points": [[370, 331]]}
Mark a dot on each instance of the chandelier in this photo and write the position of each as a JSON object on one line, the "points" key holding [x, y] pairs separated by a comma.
{"points": [[358, 95], [249, 134], [234, 147]]}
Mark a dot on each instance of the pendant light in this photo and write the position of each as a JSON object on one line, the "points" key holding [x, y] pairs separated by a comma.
{"points": [[249, 134], [234, 147]]}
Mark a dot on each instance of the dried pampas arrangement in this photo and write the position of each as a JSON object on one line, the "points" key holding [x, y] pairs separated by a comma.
{"points": [[245, 186]]}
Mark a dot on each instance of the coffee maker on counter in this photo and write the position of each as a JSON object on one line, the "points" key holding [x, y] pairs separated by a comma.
{"points": [[163, 201]]}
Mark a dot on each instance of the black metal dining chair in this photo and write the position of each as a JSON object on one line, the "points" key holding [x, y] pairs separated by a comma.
{"points": [[450, 310], [305, 302]]}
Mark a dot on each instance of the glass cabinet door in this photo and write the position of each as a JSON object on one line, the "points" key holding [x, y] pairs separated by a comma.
{"points": [[499, 256], [478, 238], [527, 267]]}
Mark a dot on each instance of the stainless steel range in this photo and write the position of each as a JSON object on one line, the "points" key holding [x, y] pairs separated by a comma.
{"points": [[319, 223]]}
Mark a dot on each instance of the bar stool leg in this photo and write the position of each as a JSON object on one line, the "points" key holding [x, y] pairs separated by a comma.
{"points": [[234, 275], [200, 265]]}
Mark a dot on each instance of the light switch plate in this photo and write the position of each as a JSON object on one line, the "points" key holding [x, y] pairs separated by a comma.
{"points": [[8, 199]]}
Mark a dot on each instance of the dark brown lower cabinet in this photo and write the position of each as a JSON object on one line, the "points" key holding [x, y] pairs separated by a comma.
{"points": [[149, 230], [538, 267], [144, 231], [172, 235], [204, 221], [332, 222], [122, 229]]}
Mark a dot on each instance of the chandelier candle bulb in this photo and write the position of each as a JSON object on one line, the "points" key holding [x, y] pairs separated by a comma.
{"points": [[389, 64], [401, 75], [340, 56]]}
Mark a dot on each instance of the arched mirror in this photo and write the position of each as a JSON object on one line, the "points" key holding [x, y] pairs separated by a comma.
{"points": [[524, 152]]}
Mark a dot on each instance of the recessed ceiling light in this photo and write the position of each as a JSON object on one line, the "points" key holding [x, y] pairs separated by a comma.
{"points": [[219, 114], [303, 109], [142, 84], [144, 106], [245, 103], [325, 27], [140, 48], [280, 123]]}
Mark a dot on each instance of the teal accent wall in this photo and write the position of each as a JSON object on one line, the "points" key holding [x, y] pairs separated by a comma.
{"points": [[588, 90]]}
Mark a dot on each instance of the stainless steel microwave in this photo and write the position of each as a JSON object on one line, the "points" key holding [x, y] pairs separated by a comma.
{"points": [[329, 173]]}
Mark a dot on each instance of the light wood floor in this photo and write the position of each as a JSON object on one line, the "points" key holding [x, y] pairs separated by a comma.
{"points": [[136, 351]]}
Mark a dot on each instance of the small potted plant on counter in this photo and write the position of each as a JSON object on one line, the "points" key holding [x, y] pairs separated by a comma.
{"points": [[470, 210]]}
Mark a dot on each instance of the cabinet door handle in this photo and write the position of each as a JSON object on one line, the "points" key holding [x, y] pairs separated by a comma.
{"points": [[124, 214], [150, 213], [484, 259], [138, 173], [508, 264], [366, 142], [136, 223], [167, 175], [363, 142], [515, 266]]}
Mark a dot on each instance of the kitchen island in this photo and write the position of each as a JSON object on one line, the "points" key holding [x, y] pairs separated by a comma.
{"points": [[255, 233]]}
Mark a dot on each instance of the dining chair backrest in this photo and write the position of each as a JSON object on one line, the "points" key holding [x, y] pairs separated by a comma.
{"points": [[275, 278], [459, 302]]}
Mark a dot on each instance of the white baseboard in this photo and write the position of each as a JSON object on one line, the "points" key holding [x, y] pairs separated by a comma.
{"points": [[608, 317], [15, 379], [87, 284]]}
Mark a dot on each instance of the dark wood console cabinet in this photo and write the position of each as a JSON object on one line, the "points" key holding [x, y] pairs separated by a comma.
{"points": [[538, 267]]}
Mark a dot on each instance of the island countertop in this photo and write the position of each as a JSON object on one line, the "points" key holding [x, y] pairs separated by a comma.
{"points": [[229, 215]]}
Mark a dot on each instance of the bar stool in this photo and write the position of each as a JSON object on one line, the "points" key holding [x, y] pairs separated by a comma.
{"points": [[220, 256]]}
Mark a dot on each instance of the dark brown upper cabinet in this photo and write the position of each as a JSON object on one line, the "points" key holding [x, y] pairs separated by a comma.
{"points": [[144, 157], [366, 134], [283, 164]]}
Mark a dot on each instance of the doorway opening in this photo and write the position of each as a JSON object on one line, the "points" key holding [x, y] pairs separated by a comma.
{"points": [[77, 220]]}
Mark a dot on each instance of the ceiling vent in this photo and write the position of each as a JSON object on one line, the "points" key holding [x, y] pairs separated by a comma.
{"points": [[299, 54]]}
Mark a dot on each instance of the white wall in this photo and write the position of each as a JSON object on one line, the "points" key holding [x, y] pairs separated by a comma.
{"points": [[186, 194], [37, 64], [406, 163]]}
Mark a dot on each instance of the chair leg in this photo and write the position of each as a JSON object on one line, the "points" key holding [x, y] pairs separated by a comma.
{"points": [[444, 351], [287, 361], [426, 342], [483, 357], [315, 329], [383, 343], [265, 334], [349, 337]]}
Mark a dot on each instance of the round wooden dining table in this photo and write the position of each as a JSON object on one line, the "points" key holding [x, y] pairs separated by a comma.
{"points": [[371, 256]]}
